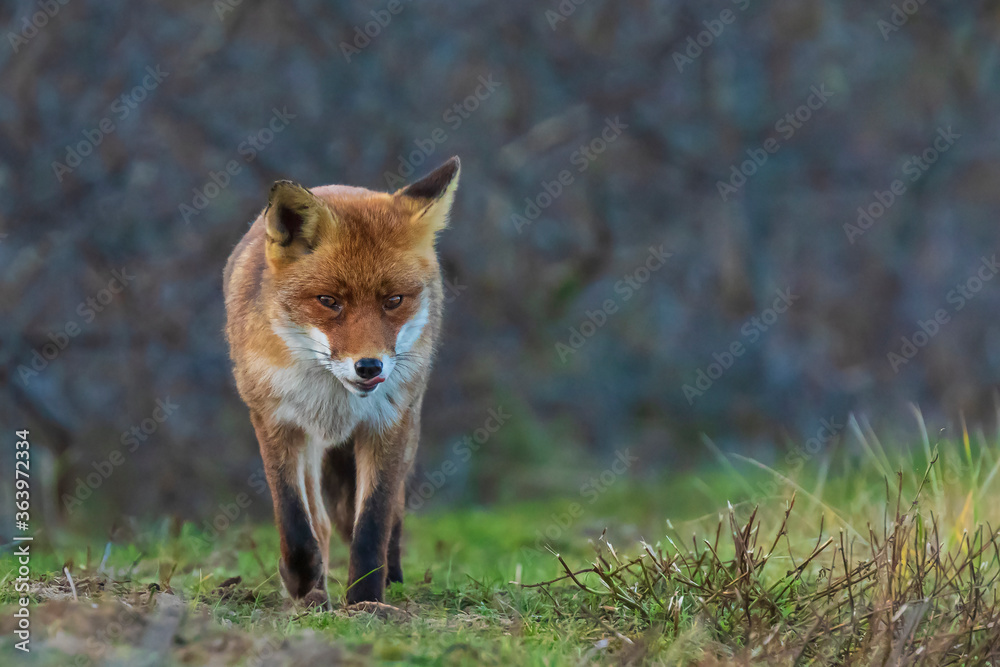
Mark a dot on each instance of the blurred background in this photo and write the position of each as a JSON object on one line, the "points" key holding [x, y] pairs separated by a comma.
{"points": [[677, 222]]}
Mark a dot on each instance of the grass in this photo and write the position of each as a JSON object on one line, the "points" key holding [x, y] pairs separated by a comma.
{"points": [[874, 558]]}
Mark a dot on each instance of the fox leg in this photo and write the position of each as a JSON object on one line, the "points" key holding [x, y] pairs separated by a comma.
{"points": [[292, 466], [339, 479], [381, 470], [394, 571], [409, 440]]}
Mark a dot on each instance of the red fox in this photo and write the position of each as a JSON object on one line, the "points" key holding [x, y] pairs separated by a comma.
{"points": [[333, 307]]}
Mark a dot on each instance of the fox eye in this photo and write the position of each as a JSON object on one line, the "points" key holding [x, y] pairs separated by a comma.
{"points": [[330, 303], [393, 302]]}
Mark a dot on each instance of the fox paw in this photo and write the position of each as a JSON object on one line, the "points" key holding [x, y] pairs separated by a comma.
{"points": [[316, 599]]}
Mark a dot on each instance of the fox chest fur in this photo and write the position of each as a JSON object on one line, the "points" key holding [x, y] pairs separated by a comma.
{"points": [[309, 396], [333, 303]]}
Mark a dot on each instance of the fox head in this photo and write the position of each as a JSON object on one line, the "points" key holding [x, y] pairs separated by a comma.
{"points": [[355, 275]]}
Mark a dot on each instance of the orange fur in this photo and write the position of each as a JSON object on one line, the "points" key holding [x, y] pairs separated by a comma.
{"points": [[311, 296]]}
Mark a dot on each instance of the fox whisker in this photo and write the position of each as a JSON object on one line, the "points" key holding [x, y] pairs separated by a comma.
{"points": [[322, 353]]}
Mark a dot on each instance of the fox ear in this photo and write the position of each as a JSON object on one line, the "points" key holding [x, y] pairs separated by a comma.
{"points": [[431, 197], [294, 219]]}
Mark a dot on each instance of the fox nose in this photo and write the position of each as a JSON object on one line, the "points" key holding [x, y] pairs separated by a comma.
{"points": [[368, 368]]}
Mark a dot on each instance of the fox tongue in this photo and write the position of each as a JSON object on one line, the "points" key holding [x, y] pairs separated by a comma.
{"points": [[371, 383]]}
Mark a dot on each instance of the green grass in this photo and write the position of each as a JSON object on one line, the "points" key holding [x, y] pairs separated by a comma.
{"points": [[882, 556], [459, 566]]}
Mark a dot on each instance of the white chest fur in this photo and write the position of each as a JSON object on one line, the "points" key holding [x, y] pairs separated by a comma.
{"points": [[312, 398]]}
